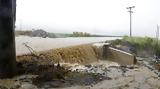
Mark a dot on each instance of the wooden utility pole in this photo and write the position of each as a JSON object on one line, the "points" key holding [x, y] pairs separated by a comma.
{"points": [[130, 11], [7, 38], [157, 34]]}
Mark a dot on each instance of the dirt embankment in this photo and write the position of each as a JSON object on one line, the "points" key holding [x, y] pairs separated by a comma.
{"points": [[77, 54], [144, 48], [135, 48]]}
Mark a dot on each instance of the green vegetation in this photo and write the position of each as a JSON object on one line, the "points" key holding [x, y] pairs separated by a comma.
{"points": [[51, 35], [43, 33], [80, 34], [142, 43]]}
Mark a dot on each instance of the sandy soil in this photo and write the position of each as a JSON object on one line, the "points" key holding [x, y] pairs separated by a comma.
{"points": [[42, 44]]}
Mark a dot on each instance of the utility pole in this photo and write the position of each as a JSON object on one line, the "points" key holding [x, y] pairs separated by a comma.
{"points": [[157, 43], [130, 11], [7, 38], [157, 33]]}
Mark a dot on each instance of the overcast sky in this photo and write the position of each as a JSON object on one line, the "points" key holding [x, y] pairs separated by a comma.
{"points": [[109, 17]]}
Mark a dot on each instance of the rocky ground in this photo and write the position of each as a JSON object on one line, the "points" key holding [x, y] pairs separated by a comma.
{"points": [[97, 75]]}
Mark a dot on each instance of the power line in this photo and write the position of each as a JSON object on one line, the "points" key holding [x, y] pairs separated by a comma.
{"points": [[130, 11]]}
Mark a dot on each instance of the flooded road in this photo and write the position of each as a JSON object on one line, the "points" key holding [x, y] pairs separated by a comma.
{"points": [[98, 74], [42, 44]]}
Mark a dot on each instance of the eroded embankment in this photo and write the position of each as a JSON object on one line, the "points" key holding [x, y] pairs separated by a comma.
{"points": [[76, 54], [40, 70], [44, 66]]}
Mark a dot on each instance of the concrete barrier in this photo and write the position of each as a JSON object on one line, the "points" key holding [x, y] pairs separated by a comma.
{"points": [[109, 53], [101, 50], [120, 56]]}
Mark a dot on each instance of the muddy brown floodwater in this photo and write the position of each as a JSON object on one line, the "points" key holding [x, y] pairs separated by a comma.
{"points": [[42, 44], [44, 73]]}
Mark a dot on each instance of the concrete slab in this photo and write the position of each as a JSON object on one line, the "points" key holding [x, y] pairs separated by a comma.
{"points": [[120, 56]]}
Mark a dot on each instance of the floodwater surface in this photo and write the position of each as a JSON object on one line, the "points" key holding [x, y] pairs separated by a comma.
{"points": [[43, 44]]}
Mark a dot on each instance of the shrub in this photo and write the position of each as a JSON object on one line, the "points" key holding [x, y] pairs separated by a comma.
{"points": [[144, 43]]}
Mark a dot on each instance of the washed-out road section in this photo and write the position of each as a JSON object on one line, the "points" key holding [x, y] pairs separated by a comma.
{"points": [[43, 44]]}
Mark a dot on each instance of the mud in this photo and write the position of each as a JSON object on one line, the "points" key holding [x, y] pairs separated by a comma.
{"points": [[95, 75], [76, 54], [80, 67]]}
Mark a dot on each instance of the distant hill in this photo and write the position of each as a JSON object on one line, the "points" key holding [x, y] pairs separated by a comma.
{"points": [[36, 33]]}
